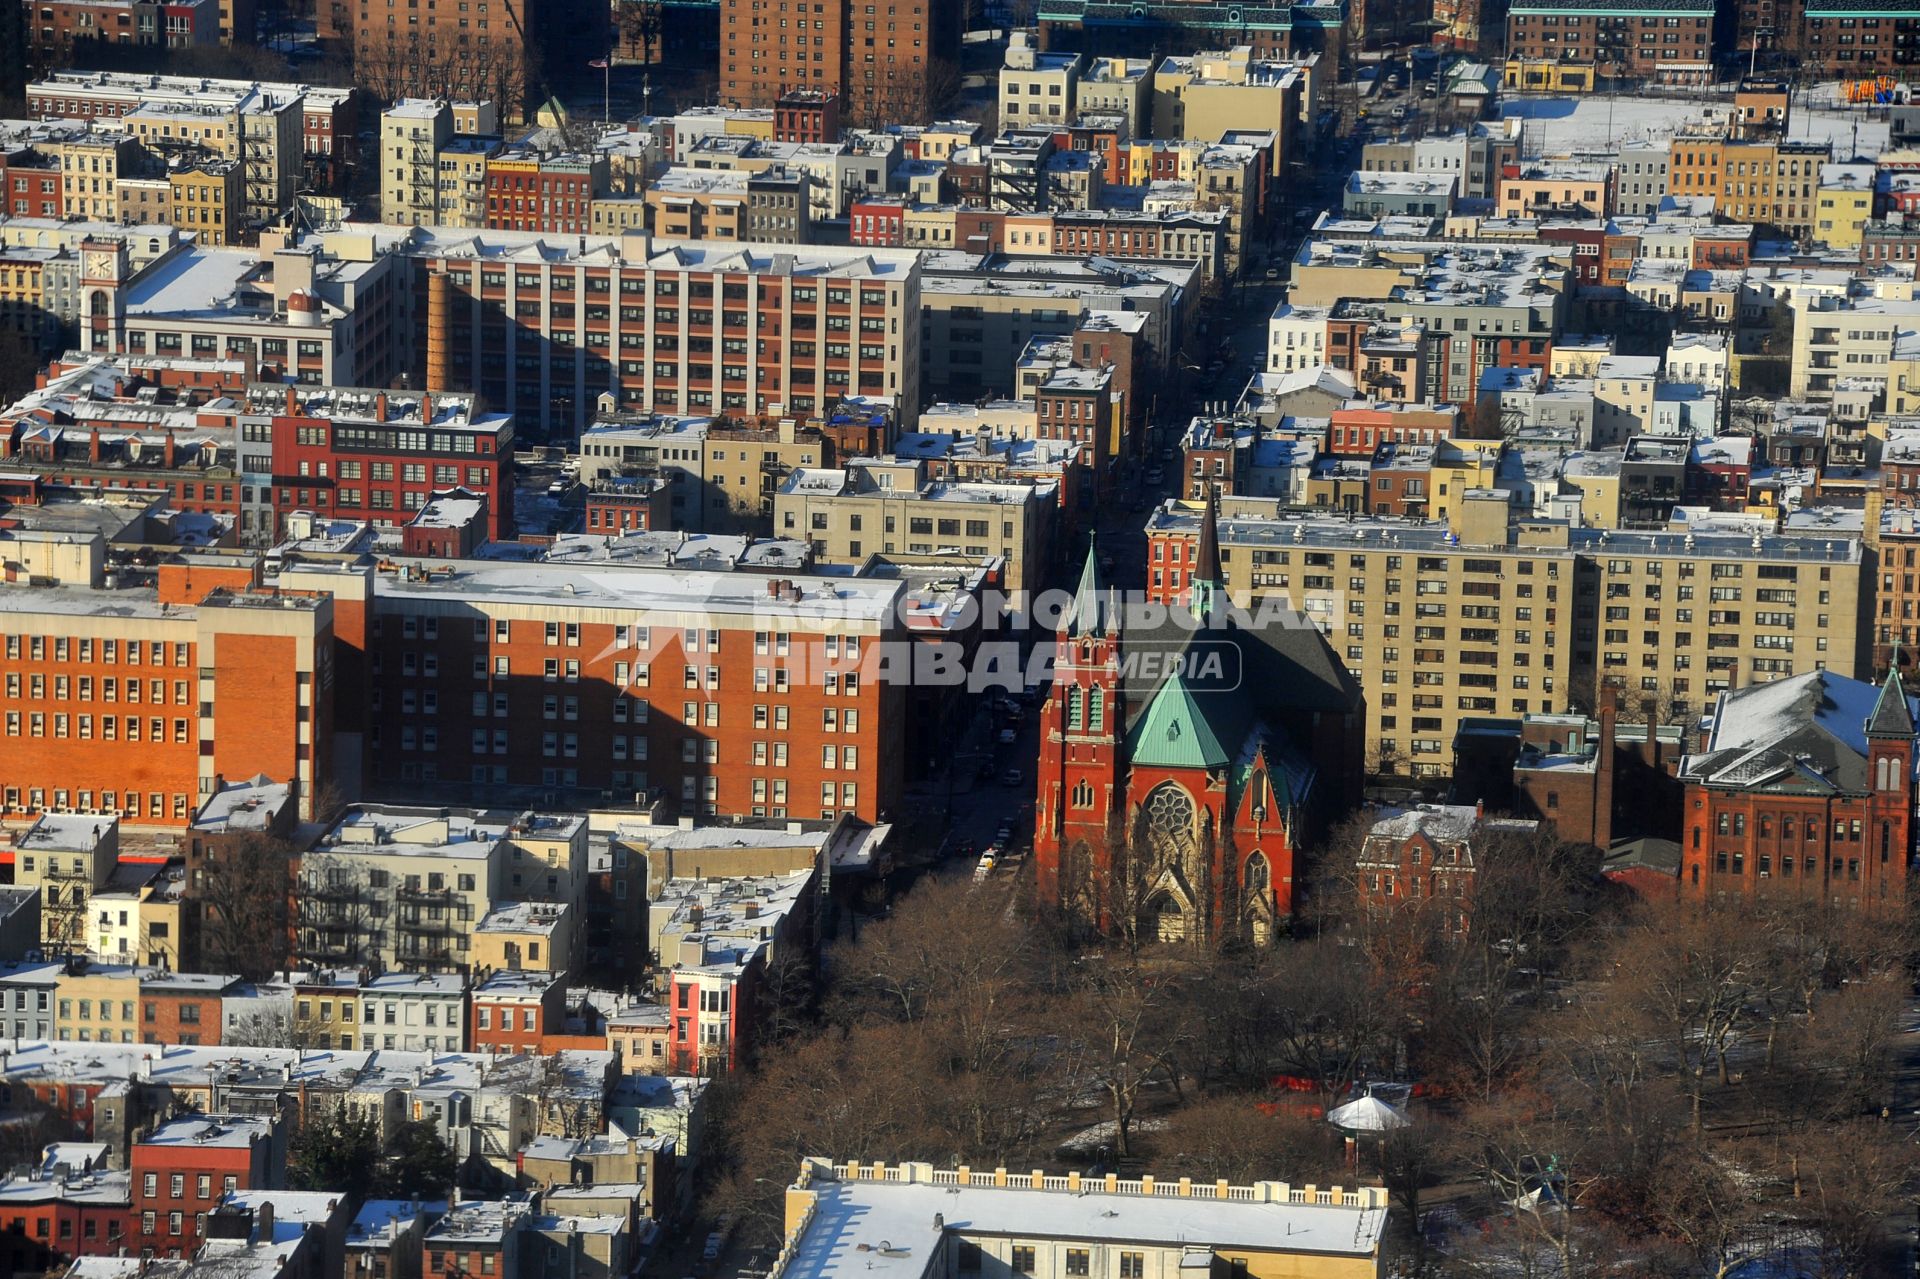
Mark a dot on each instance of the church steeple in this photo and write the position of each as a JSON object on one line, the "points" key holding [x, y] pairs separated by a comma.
{"points": [[1891, 717], [1089, 615], [1207, 583]]}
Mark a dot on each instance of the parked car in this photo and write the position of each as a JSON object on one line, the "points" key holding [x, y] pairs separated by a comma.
{"points": [[1012, 777], [1007, 737]]}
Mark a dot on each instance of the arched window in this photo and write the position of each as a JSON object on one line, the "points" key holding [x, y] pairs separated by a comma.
{"points": [[1257, 875], [1074, 710], [1096, 711], [1083, 794]]}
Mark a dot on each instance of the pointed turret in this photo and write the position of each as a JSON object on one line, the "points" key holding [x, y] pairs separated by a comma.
{"points": [[1089, 615], [1207, 586], [1891, 716]]}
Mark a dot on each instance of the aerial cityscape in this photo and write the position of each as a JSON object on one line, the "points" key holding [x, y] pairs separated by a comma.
{"points": [[959, 639]]}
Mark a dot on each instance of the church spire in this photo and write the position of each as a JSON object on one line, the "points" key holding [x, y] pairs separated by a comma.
{"points": [[1207, 584], [1890, 716], [1090, 604]]}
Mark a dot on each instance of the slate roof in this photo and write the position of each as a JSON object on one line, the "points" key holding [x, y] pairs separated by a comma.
{"points": [[1806, 735]]}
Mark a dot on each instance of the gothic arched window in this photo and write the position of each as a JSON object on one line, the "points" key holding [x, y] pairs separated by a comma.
{"points": [[1257, 875], [1083, 794], [1074, 713], [1169, 818]]}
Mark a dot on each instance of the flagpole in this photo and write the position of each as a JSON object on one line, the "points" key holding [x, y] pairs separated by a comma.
{"points": [[606, 90]]}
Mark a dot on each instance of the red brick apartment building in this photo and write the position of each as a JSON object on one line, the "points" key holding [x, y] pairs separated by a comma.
{"points": [[1834, 38], [183, 1167], [30, 186], [730, 693], [549, 193], [130, 699], [1636, 40], [67, 1216], [145, 422], [1803, 790], [515, 1011], [875, 56], [379, 455], [741, 331]]}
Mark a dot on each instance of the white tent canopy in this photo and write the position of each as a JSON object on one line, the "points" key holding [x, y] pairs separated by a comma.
{"points": [[1367, 1114]]}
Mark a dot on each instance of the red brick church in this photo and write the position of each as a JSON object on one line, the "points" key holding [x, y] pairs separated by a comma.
{"points": [[1185, 759]]}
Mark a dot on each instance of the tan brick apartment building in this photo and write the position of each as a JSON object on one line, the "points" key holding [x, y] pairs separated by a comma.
{"points": [[1506, 619]]}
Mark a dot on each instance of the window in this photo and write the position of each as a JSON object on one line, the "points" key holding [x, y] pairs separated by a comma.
{"points": [[1076, 1261], [1022, 1263], [1132, 1265]]}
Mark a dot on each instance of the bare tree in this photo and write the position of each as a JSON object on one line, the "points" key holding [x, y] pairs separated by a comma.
{"points": [[241, 892], [1696, 975], [1334, 1021], [1122, 1021], [640, 27], [1230, 1138], [1847, 1179]]}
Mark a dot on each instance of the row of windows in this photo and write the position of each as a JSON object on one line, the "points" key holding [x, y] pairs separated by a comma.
{"points": [[65, 687], [36, 647], [112, 728], [177, 1186]]}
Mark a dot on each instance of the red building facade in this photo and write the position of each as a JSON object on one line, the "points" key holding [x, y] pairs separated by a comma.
{"points": [[86, 1217], [879, 221], [1803, 790], [380, 456], [182, 1168], [29, 186]]}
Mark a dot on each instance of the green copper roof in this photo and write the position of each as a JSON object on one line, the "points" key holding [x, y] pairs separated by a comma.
{"points": [[1175, 734]]}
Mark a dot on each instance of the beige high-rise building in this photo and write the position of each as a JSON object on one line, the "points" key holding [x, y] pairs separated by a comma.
{"points": [[1501, 617], [1209, 95], [891, 507]]}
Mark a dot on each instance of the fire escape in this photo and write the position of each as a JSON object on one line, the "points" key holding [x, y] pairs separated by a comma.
{"points": [[423, 190], [63, 905], [332, 921], [424, 925]]}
